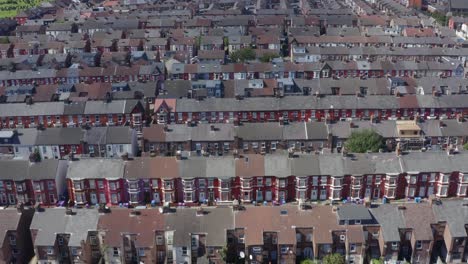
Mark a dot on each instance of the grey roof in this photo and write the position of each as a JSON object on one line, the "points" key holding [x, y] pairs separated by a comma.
{"points": [[203, 132], [54, 221], [295, 131], [434, 162], [353, 212], [192, 168], [316, 130], [220, 168], [95, 136], [214, 224], [59, 136], [116, 106], [260, 131], [96, 168], [36, 109], [119, 135], [19, 170], [455, 214], [390, 219]]}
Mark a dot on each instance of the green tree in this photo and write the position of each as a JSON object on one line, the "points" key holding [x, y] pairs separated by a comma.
{"points": [[363, 141], [268, 57], [440, 18], [465, 147], [242, 55], [376, 261], [334, 259]]}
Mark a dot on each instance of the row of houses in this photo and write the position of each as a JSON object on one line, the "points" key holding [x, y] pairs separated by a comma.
{"points": [[107, 112], [250, 178], [81, 74], [325, 69], [413, 232], [220, 139], [304, 108], [69, 142]]}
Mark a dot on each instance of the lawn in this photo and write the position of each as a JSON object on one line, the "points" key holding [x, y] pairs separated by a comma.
{"points": [[9, 8]]}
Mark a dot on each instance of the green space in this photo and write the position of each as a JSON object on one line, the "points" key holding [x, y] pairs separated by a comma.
{"points": [[9, 8]]}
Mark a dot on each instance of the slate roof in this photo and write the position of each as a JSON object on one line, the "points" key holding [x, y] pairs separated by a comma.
{"points": [[96, 169], [53, 221], [214, 224], [390, 219], [20, 170], [455, 214]]}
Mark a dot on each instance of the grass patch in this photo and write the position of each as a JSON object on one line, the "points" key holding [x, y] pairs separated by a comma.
{"points": [[9, 8]]}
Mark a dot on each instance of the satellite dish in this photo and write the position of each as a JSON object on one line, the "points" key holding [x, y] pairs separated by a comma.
{"points": [[242, 254], [161, 210]]}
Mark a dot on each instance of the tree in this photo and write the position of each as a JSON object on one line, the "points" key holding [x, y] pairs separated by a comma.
{"points": [[376, 261], [242, 55], [334, 259], [465, 147], [363, 141], [268, 57]]}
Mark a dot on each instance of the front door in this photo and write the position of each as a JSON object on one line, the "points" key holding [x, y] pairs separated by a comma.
{"points": [[211, 195], [323, 194], [202, 197], [422, 192], [430, 190], [368, 192], [156, 197], [93, 198], [313, 195]]}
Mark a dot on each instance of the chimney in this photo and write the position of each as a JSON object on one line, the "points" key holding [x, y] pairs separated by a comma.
{"points": [[178, 155], [351, 125], [291, 153], [434, 91], [212, 128], [459, 89], [125, 156], [460, 118], [235, 153], [166, 128]]}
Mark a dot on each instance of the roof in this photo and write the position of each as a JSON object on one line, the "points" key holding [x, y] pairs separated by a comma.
{"points": [[455, 213], [214, 223], [119, 222], [20, 170], [9, 220], [390, 219], [96, 168], [353, 212], [53, 221]]}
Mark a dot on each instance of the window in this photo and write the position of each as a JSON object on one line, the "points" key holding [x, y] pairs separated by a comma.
{"points": [[37, 186], [259, 181], [394, 245], [268, 181], [301, 182], [184, 251], [12, 240], [50, 251], [60, 241], [141, 252], [282, 183], [51, 185], [201, 183], [210, 183], [418, 244], [116, 252], [92, 184], [352, 248], [74, 252], [284, 249], [413, 179], [101, 184]]}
